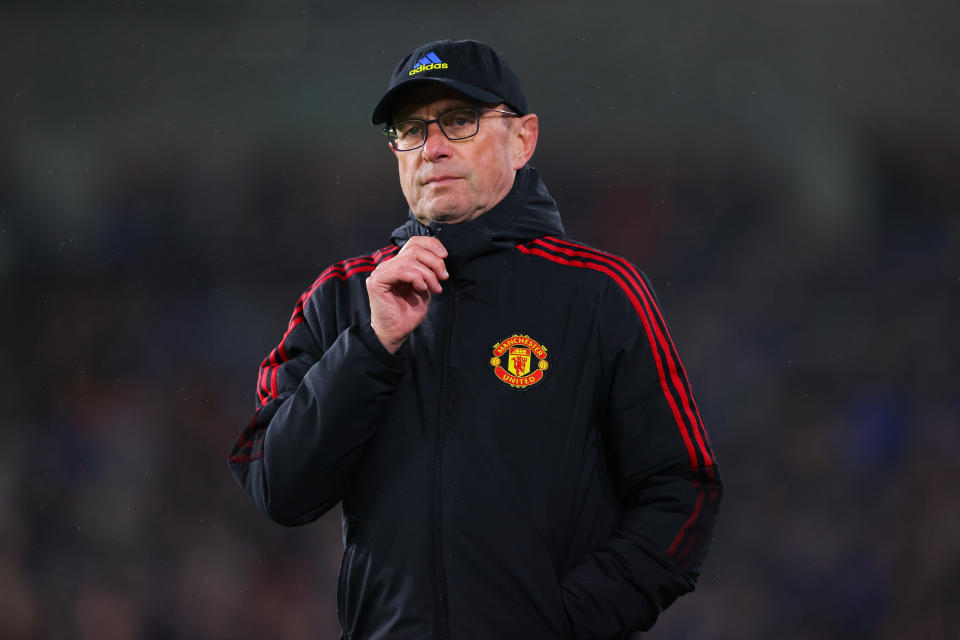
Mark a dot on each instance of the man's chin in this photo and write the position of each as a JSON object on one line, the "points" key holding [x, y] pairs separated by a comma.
{"points": [[447, 214]]}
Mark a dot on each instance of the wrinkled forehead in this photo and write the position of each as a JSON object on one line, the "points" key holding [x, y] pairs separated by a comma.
{"points": [[429, 100]]}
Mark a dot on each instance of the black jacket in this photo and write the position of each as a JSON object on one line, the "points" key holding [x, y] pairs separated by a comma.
{"points": [[531, 464]]}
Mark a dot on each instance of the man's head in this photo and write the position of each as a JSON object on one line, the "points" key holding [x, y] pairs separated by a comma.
{"points": [[454, 180]]}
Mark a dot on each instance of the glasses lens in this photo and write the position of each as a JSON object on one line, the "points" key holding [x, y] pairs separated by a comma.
{"points": [[408, 134], [460, 123]]}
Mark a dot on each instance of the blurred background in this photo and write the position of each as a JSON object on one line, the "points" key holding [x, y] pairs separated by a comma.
{"points": [[173, 175]]}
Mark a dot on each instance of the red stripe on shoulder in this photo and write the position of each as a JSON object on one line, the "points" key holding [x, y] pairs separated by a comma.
{"points": [[341, 271], [680, 383], [250, 445], [656, 308], [620, 271]]}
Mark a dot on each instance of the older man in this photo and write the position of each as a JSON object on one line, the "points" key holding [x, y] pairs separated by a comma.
{"points": [[501, 410]]}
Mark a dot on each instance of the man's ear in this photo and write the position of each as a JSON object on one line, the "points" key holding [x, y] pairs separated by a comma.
{"points": [[526, 139]]}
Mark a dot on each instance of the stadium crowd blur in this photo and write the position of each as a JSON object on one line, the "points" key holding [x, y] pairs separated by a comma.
{"points": [[804, 250]]}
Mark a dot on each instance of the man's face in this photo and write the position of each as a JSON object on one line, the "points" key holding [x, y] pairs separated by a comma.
{"points": [[455, 181]]}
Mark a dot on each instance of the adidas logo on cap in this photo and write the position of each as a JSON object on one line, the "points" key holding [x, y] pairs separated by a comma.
{"points": [[427, 63]]}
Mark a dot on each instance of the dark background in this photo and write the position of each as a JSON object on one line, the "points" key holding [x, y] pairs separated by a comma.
{"points": [[173, 175]]}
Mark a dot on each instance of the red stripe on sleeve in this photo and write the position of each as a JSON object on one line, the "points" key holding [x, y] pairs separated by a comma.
{"points": [[672, 549], [260, 384]]}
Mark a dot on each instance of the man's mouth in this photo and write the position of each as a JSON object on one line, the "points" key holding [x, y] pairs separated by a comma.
{"points": [[440, 180]]}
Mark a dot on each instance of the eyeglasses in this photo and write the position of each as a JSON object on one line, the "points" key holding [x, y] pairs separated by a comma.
{"points": [[458, 124]]}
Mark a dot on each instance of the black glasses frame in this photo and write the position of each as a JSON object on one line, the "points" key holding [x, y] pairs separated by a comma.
{"points": [[391, 130]]}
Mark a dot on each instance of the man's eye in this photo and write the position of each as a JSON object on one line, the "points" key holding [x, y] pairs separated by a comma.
{"points": [[409, 130]]}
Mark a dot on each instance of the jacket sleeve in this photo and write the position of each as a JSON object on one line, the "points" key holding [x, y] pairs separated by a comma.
{"points": [[663, 470], [317, 407]]}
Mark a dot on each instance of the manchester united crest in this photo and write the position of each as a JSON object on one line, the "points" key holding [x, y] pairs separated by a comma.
{"points": [[519, 361]]}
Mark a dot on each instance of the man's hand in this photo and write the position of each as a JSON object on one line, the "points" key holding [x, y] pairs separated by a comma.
{"points": [[400, 289]]}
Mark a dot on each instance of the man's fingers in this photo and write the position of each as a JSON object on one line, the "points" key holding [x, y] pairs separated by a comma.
{"points": [[411, 294], [424, 279], [434, 263], [426, 242], [418, 283], [420, 258], [400, 289], [412, 272], [428, 251]]}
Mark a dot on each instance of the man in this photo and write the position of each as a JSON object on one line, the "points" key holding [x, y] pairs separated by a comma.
{"points": [[500, 409]]}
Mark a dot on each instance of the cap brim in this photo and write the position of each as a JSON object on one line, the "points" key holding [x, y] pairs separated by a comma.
{"points": [[387, 103]]}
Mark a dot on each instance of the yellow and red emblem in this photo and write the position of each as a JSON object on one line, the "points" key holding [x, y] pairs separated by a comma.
{"points": [[520, 371]]}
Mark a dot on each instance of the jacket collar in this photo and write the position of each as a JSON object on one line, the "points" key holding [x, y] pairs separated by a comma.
{"points": [[525, 213]]}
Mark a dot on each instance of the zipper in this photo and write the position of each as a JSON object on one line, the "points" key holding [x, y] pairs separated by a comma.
{"points": [[447, 315]]}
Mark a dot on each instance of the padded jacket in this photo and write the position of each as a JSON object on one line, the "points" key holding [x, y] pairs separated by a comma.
{"points": [[530, 464]]}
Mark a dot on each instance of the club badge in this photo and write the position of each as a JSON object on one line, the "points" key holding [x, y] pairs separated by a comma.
{"points": [[513, 361]]}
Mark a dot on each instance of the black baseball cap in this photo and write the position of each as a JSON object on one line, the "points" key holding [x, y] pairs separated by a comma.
{"points": [[470, 67]]}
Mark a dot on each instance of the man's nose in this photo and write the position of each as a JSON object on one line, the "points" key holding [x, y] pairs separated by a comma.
{"points": [[437, 145]]}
